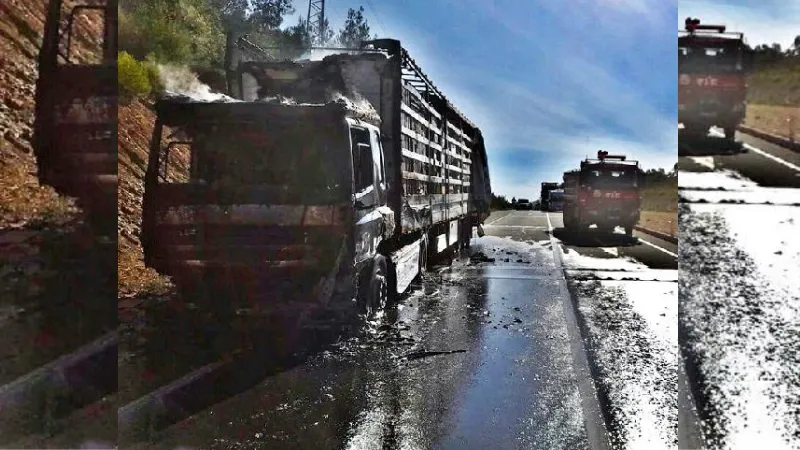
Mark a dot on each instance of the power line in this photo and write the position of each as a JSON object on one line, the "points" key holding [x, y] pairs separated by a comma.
{"points": [[377, 17]]}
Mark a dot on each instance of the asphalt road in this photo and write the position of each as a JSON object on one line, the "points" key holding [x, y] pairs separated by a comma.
{"points": [[767, 164], [483, 354], [717, 211]]}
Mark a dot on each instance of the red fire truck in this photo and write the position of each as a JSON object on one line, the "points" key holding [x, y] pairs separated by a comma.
{"points": [[603, 192], [712, 90]]}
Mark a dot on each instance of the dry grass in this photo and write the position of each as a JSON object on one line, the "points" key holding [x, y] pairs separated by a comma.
{"points": [[664, 222], [778, 120], [660, 198], [776, 85]]}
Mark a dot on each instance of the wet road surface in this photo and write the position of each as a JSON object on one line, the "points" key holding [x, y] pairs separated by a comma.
{"points": [[483, 354], [57, 346]]}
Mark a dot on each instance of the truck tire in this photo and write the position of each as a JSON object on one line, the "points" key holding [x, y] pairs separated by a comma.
{"points": [[373, 288], [694, 131], [629, 230], [423, 255], [730, 132], [605, 230]]}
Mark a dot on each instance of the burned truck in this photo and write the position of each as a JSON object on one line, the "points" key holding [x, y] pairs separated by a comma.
{"points": [[321, 183], [75, 127], [712, 90], [604, 192]]}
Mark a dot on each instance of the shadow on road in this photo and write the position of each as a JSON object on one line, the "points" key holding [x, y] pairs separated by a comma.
{"points": [[594, 238], [708, 146]]}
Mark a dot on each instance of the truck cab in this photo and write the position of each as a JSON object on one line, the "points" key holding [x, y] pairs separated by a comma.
{"points": [[712, 90], [557, 200], [75, 129], [288, 217]]}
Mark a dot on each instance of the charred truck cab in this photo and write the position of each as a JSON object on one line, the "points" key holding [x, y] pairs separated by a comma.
{"points": [[75, 130], [712, 90], [295, 197], [604, 192]]}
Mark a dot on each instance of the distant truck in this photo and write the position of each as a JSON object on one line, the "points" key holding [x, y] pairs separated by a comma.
{"points": [[300, 202], [545, 195], [523, 204], [712, 89], [75, 127], [556, 200], [604, 192]]}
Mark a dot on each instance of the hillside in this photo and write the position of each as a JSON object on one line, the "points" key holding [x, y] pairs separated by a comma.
{"points": [[776, 84], [773, 97]]}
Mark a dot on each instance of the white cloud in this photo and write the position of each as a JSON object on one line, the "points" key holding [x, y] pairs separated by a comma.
{"points": [[764, 22]]}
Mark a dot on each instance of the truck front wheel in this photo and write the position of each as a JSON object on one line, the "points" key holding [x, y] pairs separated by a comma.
{"points": [[373, 289]]}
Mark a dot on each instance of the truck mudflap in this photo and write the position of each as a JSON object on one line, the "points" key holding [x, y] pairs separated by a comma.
{"points": [[406, 262], [268, 253]]}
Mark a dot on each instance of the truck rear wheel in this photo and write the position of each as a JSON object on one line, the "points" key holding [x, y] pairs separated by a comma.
{"points": [[423, 255], [694, 131], [730, 132]]}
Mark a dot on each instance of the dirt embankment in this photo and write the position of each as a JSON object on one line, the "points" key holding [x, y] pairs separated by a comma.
{"points": [[773, 96], [136, 282], [663, 222], [781, 121]]}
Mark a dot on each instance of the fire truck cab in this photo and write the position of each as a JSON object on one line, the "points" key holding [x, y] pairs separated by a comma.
{"points": [[712, 90], [604, 192]]}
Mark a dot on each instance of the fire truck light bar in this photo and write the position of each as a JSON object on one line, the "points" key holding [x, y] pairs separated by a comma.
{"points": [[603, 155], [693, 25]]}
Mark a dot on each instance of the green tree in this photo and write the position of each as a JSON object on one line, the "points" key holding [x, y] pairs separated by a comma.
{"points": [[133, 77], [355, 30]]}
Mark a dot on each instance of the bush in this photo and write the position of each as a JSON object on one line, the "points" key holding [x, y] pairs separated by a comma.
{"points": [[134, 77]]}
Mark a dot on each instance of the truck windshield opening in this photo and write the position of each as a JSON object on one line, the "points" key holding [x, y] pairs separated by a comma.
{"points": [[609, 179], [704, 59], [297, 157]]}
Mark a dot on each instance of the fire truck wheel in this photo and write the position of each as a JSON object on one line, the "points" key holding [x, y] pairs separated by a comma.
{"points": [[605, 230], [730, 132]]}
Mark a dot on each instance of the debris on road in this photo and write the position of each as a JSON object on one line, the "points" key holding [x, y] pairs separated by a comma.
{"points": [[740, 321], [426, 354]]}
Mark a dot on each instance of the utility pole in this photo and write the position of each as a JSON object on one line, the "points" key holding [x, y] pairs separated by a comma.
{"points": [[316, 21]]}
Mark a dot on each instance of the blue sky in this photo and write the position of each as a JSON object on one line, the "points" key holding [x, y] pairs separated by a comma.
{"points": [[548, 82], [762, 21]]}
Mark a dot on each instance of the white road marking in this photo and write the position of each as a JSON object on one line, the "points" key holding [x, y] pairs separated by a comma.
{"points": [[613, 251], [660, 248], [496, 220], [704, 161], [534, 227], [772, 157], [762, 153]]}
